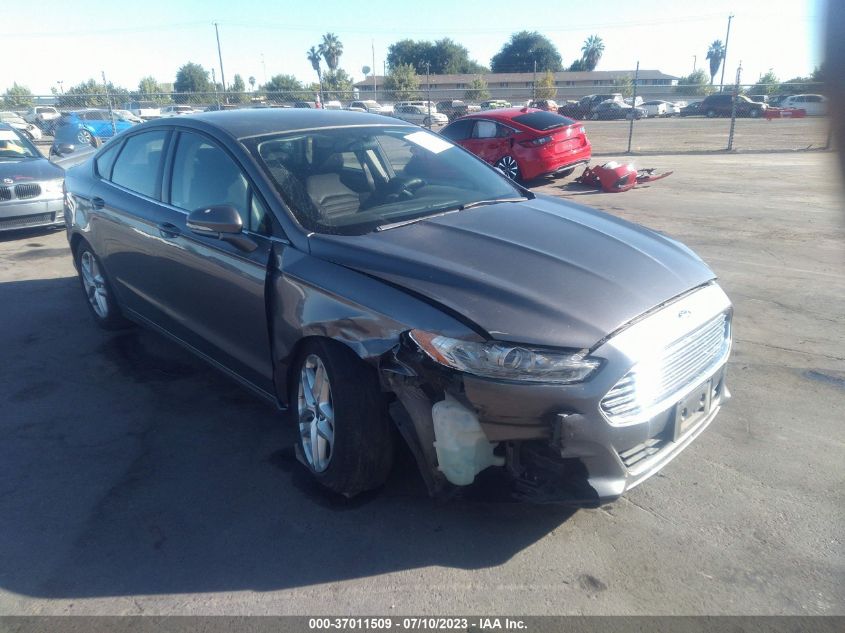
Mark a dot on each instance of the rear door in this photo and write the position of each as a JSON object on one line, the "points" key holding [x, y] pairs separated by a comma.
{"points": [[485, 141]]}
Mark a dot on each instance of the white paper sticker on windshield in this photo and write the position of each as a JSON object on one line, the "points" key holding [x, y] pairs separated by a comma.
{"points": [[8, 135], [432, 143]]}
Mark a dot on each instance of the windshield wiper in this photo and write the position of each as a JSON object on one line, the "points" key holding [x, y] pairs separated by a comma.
{"points": [[394, 225], [481, 203]]}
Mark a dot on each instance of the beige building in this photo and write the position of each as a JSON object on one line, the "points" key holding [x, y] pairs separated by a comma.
{"points": [[520, 86]]}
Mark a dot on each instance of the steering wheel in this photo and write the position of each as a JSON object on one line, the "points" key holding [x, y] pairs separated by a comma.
{"points": [[402, 187]]}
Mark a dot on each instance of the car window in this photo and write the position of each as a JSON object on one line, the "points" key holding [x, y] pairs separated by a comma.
{"points": [[544, 120], [137, 165], [204, 175], [484, 129], [105, 160], [413, 174], [459, 130]]}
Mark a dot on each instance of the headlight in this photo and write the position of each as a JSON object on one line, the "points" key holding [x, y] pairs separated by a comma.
{"points": [[508, 362], [53, 186]]}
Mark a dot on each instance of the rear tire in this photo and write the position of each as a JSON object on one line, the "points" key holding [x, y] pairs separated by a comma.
{"points": [[711, 114], [345, 439], [509, 166], [755, 113]]}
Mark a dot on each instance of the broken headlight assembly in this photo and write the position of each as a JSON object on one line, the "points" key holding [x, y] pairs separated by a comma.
{"points": [[506, 361]]}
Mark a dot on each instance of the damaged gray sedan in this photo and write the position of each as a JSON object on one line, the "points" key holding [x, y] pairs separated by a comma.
{"points": [[365, 274]]}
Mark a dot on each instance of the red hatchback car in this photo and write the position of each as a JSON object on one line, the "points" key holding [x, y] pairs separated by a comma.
{"points": [[523, 142]]}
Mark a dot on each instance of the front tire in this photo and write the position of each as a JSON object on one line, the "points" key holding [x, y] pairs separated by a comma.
{"points": [[345, 438], [509, 167], [711, 114], [98, 292]]}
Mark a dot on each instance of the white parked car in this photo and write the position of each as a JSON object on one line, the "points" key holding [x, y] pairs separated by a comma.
{"points": [[658, 107], [813, 105], [373, 107], [177, 110], [143, 109], [41, 116], [332, 105], [420, 115], [126, 115], [16, 121]]}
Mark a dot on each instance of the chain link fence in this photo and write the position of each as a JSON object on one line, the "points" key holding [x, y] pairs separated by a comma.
{"points": [[620, 117]]}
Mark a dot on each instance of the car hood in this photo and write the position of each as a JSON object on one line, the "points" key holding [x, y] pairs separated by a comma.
{"points": [[37, 169], [540, 272]]}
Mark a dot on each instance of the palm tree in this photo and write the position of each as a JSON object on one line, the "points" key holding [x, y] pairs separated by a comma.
{"points": [[331, 49], [716, 53], [251, 81], [592, 52], [314, 57]]}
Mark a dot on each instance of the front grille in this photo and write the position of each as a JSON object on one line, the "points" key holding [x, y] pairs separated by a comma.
{"points": [[5, 193], [655, 381], [27, 191], [27, 220]]}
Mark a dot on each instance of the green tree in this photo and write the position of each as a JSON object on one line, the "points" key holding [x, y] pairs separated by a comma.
{"points": [[17, 97], [191, 78], [251, 81], [314, 56], [716, 53], [477, 90], [577, 66], [150, 90], [237, 90], [592, 51], [402, 82], [337, 85], [768, 84], [92, 94], [331, 49], [546, 88], [525, 48], [624, 84], [285, 88], [799, 85], [694, 84], [443, 57]]}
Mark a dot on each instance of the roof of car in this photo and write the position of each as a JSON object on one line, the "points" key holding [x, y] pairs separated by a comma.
{"points": [[259, 121]]}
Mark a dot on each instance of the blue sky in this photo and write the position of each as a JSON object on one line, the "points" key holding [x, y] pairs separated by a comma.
{"points": [[74, 40]]}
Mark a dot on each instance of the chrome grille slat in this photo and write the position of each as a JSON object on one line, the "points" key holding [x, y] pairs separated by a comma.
{"points": [[679, 364], [5, 193]]}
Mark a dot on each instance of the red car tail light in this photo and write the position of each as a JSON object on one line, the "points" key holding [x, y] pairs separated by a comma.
{"points": [[537, 141]]}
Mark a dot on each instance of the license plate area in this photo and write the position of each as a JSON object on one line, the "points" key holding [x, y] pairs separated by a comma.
{"points": [[692, 409]]}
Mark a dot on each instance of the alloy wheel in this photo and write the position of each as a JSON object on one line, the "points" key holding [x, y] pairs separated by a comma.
{"points": [[84, 137], [509, 165], [316, 413], [94, 284]]}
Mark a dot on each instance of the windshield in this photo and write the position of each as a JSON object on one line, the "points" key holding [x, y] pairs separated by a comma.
{"points": [[353, 180], [14, 147]]}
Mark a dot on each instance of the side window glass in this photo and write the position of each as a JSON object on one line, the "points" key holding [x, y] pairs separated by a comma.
{"points": [[484, 129], [458, 131], [503, 131], [137, 166], [105, 161], [260, 220], [204, 175]]}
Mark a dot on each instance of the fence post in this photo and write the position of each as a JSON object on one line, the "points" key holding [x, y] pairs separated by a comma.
{"points": [[633, 105], [733, 108], [108, 100]]}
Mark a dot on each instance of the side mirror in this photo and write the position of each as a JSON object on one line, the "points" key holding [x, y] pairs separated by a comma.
{"points": [[63, 149], [221, 222]]}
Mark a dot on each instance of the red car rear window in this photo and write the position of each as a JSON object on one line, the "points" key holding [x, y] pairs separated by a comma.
{"points": [[543, 121]]}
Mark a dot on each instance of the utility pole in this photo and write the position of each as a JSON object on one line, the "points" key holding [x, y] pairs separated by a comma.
{"points": [[733, 108], [375, 81], [220, 57], [633, 106], [264, 66], [534, 83], [725, 55], [428, 90], [694, 61]]}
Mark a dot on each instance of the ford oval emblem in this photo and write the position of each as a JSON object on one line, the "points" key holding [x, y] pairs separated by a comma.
{"points": [[683, 314]]}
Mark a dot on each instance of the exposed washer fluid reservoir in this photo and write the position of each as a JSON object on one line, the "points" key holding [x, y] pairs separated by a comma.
{"points": [[462, 449]]}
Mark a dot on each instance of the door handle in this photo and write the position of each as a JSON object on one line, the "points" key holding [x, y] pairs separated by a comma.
{"points": [[98, 203], [169, 230]]}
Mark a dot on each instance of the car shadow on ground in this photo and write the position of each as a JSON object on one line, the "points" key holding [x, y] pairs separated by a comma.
{"points": [[129, 467]]}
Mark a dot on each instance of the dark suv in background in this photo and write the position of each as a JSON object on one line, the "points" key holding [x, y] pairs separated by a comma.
{"points": [[722, 105]]}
